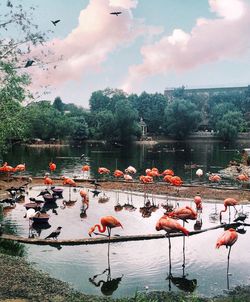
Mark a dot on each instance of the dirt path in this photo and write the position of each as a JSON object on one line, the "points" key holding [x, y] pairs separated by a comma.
{"points": [[208, 193]]}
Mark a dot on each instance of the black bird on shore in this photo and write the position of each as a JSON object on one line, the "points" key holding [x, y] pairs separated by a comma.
{"points": [[29, 63], [54, 234], [55, 22]]}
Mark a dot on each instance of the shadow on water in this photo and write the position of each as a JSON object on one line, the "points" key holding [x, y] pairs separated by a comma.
{"points": [[106, 283]]}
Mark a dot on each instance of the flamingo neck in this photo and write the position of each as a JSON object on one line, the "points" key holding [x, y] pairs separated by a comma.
{"points": [[101, 228], [223, 210]]}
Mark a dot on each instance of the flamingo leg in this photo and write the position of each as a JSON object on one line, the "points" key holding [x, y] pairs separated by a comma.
{"points": [[169, 255], [184, 254], [228, 258]]}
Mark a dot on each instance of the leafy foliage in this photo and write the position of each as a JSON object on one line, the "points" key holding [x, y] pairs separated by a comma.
{"points": [[181, 117]]}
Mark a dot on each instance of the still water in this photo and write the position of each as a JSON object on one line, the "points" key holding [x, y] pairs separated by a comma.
{"points": [[132, 266], [211, 157]]}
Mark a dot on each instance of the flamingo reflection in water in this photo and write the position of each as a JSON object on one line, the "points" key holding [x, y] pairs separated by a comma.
{"points": [[182, 282], [85, 203], [107, 284]]}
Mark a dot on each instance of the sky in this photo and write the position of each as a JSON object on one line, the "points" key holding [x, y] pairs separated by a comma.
{"points": [[151, 46]]}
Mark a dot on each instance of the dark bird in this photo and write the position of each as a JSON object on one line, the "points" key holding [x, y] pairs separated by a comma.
{"points": [[240, 217], [55, 22], [29, 63], [54, 234], [95, 193], [115, 13]]}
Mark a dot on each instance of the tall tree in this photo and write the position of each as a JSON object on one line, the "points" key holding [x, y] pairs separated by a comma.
{"points": [[181, 117]]}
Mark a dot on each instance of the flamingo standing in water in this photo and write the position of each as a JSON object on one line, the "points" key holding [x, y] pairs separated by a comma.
{"points": [[70, 182], [86, 170], [229, 202], [183, 213], [198, 202], [170, 225], [107, 222], [228, 238]]}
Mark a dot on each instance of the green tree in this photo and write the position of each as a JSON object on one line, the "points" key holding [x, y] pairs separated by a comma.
{"points": [[230, 125], [12, 93], [150, 107], [79, 128], [126, 117], [58, 104], [181, 117]]}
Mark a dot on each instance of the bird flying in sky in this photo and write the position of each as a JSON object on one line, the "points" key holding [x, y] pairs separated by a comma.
{"points": [[115, 13], [55, 22]]}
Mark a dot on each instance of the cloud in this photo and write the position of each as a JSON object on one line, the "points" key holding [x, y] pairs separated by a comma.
{"points": [[96, 36], [126, 4], [210, 40]]}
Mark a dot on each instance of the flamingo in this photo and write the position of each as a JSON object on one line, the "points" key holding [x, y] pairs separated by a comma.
{"points": [[107, 222], [242, 177], [146, 179], [86, 171], [130, 170], [198, 202], [85, 168], [183, 213], [70, 182], [229, 202], [228, 238], [128, 177], [214, 178], [168, 172], [103, 170], [20, 167], [176, 181], [170, 225], [52, 166], [47, 181], [118, 173], [167, 178], [199, 173]]}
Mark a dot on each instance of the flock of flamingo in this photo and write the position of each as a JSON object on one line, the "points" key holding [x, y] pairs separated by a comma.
{"points": [[168, 222]]}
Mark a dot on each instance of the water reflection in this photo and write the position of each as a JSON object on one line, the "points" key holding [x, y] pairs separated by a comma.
{"points": [[104, 280], [35, 229]]}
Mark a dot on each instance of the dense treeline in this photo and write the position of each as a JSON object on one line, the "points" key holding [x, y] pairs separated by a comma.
{"points": [[115, 116]]}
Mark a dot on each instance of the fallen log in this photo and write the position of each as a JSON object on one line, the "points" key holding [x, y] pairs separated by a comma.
{"points": [[98, 240]]}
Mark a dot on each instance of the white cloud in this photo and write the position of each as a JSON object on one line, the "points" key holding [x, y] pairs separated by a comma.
{"points": [[210, 40]]}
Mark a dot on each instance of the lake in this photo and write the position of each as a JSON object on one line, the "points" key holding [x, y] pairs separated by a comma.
{"points": [[132, 266]]}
